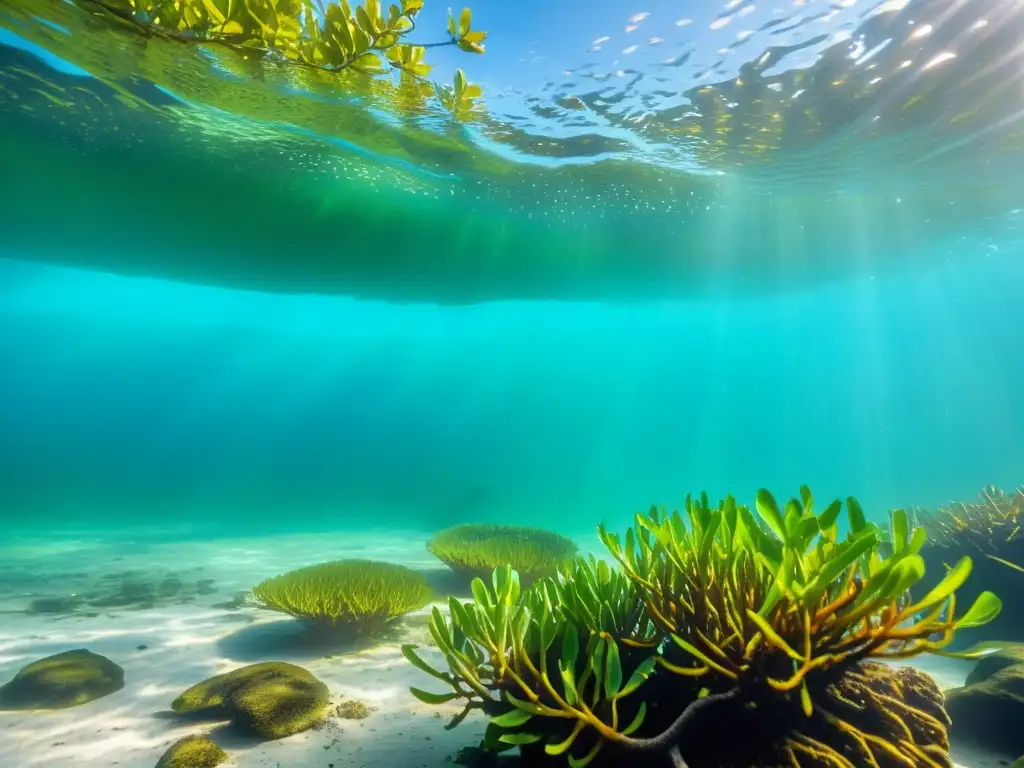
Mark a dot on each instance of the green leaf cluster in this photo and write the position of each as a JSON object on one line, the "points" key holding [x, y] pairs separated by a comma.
{"points": [[352, 598], [724, 597], [548, 656], [477, 549], [322, 34], [738, 591]]}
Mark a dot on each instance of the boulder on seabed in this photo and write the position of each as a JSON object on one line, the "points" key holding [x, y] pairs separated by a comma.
{"points": [[989, 708], [64, 680], [273, 699], [193, 752]]}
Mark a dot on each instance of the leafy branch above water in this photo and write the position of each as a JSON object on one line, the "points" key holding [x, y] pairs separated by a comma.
{"points": [[321, 34]]}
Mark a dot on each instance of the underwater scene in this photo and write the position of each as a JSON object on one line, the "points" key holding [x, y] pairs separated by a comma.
{"points": [[538, 385]]}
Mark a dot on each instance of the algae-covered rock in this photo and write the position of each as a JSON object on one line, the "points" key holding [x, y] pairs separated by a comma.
{"points": [[65, 680], [989, 710], [273, 699], [1000, 655], [193, 752]]}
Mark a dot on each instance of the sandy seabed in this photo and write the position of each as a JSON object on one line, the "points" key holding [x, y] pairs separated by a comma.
{"points": [[179, 641]]}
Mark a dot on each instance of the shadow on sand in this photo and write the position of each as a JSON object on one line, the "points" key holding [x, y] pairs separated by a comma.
{"points": [[447, 583]]}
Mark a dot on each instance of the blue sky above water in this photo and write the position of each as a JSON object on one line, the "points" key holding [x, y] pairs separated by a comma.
{"points": [[536, 41]]}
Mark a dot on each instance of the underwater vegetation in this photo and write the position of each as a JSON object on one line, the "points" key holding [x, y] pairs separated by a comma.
{"points": [[987, 524], [616, 176], [64, 680], [477, 549], [718, 621], [324, 35], [193, 752], [988, 529], [350, 599], [353, 709], [272, 699]]}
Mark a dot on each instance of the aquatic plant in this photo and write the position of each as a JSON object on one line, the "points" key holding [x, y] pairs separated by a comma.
{"points": [[477, 549], [988, 529], [349, 598], [353, 709], [319, 34], [768, 620], [986, 525], [585, 629]]}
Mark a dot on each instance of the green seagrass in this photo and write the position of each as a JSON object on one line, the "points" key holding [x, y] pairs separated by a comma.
{"points": [[351, 598], [477, 549]]}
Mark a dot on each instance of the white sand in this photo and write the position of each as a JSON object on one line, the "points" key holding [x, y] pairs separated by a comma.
{"points": [[188, 643]]}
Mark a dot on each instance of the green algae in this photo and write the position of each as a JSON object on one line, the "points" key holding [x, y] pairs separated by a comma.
{"points": [[272, 699], [348, 598], [193, 752], [64, 680], [477, 549]]}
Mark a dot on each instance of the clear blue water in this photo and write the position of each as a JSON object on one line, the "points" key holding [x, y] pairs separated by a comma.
{"points": [[130, 401]]}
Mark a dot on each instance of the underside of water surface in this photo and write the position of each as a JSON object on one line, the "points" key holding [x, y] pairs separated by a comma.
{"points": [[792, 146]]}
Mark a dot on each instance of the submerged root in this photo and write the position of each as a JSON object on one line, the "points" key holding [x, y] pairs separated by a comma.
{"points": [[872, 716], [875, 717]]}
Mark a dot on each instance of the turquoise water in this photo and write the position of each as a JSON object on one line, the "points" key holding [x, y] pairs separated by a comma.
{"points": [[132, 401], [258, 315], [666, 252]]}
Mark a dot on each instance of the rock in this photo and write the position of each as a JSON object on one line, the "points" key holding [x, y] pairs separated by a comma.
{"points": [[1004, 655], [193, 752], [65, 680], [989, 710], [273, 699]]}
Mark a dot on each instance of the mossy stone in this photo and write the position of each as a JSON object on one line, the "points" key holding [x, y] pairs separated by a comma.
{"points": [[273, 699], [1004, 655], [64, 680], [990, 708], [193, 752]]}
